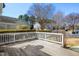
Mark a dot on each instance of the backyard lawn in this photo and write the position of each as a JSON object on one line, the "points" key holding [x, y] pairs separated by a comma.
{"points": [[69, 42]]}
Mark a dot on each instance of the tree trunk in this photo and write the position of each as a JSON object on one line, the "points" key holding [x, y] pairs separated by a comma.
{"points": [[73, 25]]}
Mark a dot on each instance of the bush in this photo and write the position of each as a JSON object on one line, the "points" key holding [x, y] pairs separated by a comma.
{"points": [[44, 31], [22, 27], [73, 32], [66, 30], [21, 30]]}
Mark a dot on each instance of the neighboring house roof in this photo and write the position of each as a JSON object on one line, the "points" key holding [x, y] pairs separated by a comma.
{"points": [[11, 20], [7, 19]]}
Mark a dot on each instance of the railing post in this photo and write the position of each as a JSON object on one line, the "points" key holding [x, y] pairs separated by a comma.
{"points": [[45, 36], [62, 40], [37, 34], [14, 37], [24, 38]]}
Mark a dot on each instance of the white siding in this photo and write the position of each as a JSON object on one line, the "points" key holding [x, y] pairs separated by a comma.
{"points": [[1, 6], [7, 25]]}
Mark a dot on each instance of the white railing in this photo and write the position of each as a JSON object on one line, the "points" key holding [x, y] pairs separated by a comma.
{"points": [[21, 36], [13, 37], [52, 37]]}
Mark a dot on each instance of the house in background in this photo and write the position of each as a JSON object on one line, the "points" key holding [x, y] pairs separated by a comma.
{"points": [[8, 22], [1, 7], [11, 23]]}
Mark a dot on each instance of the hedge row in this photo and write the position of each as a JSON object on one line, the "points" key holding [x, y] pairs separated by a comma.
{"points": [[21, 30]]}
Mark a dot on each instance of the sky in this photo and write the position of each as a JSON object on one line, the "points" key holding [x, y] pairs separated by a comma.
{"points": [[16, 9]]}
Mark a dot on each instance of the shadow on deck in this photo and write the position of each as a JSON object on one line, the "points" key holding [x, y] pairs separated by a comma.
{"points": [[29, 50], [36, 48]]}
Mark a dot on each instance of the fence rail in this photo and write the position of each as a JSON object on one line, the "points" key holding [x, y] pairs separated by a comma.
{"points": [[21, 36]]}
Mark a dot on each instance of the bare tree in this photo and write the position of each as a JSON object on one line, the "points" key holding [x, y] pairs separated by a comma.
{"points": [[41, 11], [58, 18], [72, 19]]}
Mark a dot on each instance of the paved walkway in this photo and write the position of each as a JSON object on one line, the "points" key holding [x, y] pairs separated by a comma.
{"points": [[38, 48]]}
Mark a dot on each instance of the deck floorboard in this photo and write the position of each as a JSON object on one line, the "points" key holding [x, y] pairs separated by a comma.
{"points": [[37, 48]]}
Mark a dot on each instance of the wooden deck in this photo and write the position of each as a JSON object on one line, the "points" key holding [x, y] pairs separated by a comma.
{"points": [[36, 48]]}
